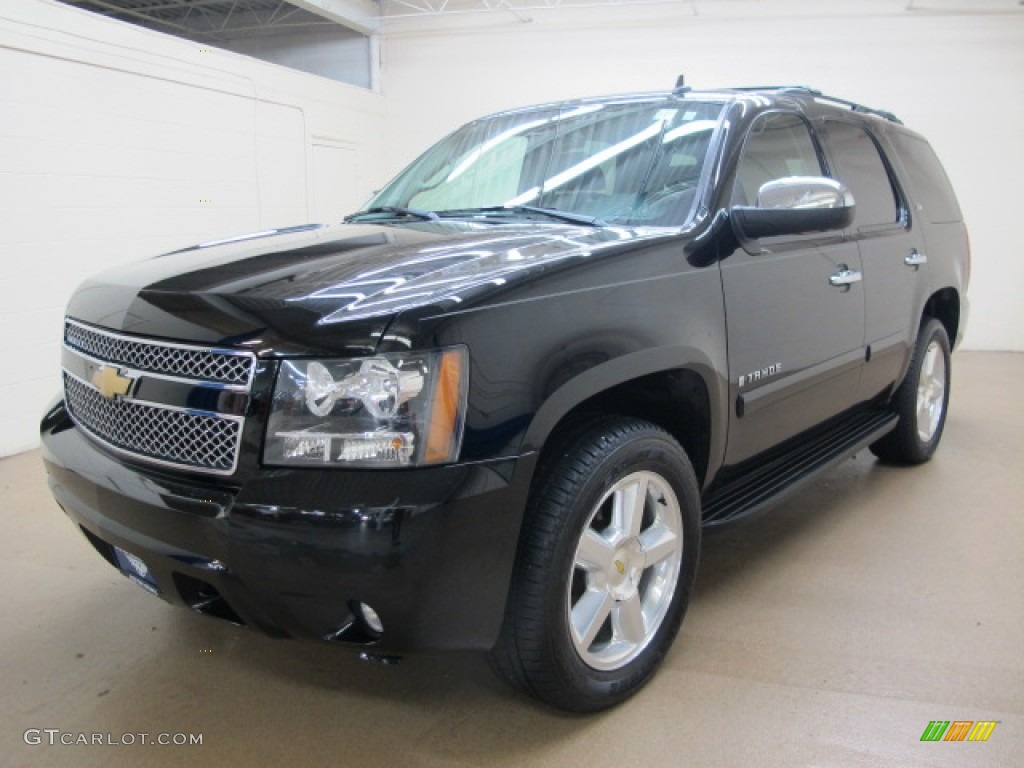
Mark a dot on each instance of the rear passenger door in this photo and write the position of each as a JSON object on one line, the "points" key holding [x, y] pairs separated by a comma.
{"points": [[893, 258], [794, 306]]}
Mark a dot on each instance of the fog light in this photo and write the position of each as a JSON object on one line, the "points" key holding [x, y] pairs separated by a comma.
{"points": [[371, 618]]}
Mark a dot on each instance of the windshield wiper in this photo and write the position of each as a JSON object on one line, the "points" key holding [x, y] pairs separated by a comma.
{"points": [[551, 213], [573, 218], [417, 213]]}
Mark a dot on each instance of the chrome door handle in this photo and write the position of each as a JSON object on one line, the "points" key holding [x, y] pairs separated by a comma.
{"points": [[915, 259], [846, 276]]}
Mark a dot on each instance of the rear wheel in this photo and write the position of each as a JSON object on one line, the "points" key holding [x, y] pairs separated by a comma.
{"points": [[921, 400], [605, 566]]}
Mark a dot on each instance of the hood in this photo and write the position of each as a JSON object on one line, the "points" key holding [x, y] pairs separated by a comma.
{"points": [[329, 289]]}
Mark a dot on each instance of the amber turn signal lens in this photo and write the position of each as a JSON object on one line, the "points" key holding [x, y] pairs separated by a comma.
{"points": [[446, 411]]}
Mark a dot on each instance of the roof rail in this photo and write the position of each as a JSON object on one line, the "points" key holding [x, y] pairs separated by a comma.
{"points": [[853, 105], [778, 88]]}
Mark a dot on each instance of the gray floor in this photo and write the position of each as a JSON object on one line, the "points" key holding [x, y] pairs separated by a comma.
{"points": [[828, 633]]}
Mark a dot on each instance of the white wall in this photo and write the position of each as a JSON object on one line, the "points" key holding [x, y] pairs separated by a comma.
{"points": [[958, 78], [118, 143]]}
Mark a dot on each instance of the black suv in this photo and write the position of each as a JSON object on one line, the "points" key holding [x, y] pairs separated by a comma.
{"points": [[495, 409]]}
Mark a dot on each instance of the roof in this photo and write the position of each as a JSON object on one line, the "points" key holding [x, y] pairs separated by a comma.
{"points": [[724, 95]]}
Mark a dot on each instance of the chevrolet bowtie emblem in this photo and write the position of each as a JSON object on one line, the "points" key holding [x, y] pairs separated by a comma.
{"points": [[109, 381]]}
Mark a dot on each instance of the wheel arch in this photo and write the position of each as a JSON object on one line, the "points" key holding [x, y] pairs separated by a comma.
{"points": [[679, 392], [944, 306]]}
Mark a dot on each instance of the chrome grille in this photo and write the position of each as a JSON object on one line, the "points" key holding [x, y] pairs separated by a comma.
{"points": [[153, 418], [208, 442], [183, 361]]}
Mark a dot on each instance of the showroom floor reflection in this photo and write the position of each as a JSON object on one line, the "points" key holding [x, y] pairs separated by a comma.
{"points": [[829, 632]]}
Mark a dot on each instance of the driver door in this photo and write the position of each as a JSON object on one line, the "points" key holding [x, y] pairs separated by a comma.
{"points": [[794, 306]]}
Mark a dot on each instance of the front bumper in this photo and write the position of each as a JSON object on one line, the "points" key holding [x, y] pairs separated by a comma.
{"points": [[292, 552]]}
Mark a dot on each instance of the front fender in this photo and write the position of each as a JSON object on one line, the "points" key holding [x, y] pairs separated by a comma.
{"points": [[621, 370]]}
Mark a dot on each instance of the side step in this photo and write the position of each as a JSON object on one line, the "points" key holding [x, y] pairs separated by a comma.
{"points": [[768, 482]]}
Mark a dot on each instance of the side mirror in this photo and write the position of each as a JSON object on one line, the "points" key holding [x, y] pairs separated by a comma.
{"points": [[795, 205]]}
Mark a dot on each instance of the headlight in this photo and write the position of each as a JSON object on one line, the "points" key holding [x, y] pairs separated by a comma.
{"points": [[383, 411]]}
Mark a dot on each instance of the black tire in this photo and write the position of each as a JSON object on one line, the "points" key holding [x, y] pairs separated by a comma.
{"points": [[603, 465], [921, 407]]}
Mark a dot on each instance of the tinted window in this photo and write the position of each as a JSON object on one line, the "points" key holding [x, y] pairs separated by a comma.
{"points": [[484, 163], [778, 145], [931, 185], [860, 167], [632, 162]]}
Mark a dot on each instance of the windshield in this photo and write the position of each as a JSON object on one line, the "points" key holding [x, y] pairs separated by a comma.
{"points": [[633, 163]]}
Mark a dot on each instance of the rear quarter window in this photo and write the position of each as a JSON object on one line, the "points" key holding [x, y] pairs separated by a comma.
{"points": [[928, 178]]}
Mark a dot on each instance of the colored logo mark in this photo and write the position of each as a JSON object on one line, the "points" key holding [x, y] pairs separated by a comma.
{"points": [[109, 381], [958, 730]]}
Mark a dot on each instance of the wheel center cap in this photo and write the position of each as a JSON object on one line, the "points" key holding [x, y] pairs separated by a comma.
{"points": [[627, 568]]}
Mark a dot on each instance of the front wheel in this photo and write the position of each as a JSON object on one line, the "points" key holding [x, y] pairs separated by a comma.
{"points": [[606, 562], [921, 400]]}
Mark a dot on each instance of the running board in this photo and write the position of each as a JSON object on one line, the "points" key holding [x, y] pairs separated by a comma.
{"points": [[769, 482]]}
